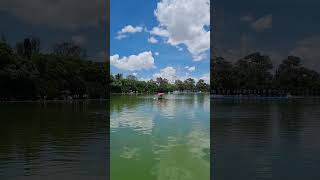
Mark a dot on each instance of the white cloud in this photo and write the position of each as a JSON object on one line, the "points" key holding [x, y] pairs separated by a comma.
{"points": [[156, 53], [247, 18], [142, 61], [134, 120], [68, 14], [171, 74], [121, 36], [191, 69], [206, 77], [152, 40], [123, 33], [78, 39], [159, 32], [262, 23], [184, 22], [100, 57], [131, 29], [168, 73], [308, 50], [135, 74]]}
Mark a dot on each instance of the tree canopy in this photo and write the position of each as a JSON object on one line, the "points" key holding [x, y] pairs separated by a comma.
{"points": [[131, 84], [254, 74], [28, 74]]}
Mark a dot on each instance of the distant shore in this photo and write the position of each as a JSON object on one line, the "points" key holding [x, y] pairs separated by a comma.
{"points": [[212, 96], [153, 93], [44, 101]]}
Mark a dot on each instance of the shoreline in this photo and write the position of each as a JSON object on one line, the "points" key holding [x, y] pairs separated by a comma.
{"points": [[212, 96], [97, 99], [155, 93], [50, 101]]}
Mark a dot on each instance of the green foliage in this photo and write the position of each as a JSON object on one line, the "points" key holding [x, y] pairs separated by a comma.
{"points": [[28, 47], [118, 84], [202, 86], [27, 74], [253, 75], [6, 54], [69, 49]]}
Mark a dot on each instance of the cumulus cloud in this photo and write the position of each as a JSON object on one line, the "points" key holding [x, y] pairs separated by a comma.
{"points": [[206, 77], [184, 22], [168, 73], [129, 29], [190, 69], [262, 23], [152, 40], [308, 50], [78, 39], [101, 56], [156, 53], [142, 61], [62, 14], [247, 18], [171, 74], [159, 32], [133, 120]]}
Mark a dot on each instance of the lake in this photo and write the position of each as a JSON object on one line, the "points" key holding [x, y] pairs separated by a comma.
{"points": [[165, 139], [265, 139], [55, 140], [161, 139]]}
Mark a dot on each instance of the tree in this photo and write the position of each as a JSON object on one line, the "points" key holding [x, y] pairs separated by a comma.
{"points": [[189, 84], [132, 77], [163, 84], [202, 86], [179, 85], [69, 49], [118, 76], [35, 45], [6, 54], [292, 76], [27, 48], [253, 75], [253, 71], [20, 49], [221, 74], [28, 74]]}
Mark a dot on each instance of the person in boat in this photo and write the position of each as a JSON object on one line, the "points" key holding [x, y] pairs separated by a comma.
{"points": [[160, 95]]}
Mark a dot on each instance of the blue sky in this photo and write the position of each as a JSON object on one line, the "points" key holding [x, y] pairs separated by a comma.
{"points": [[175, 51]]}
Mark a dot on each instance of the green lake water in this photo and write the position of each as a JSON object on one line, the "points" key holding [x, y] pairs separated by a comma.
{"points": [[54, 141], [265, 139], [166, 139]]}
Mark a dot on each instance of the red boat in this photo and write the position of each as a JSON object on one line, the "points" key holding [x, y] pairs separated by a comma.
{"points": [[160, 95]]}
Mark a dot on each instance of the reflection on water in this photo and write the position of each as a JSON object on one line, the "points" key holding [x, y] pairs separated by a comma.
{"points": [[53, 141], [266, 139], [160, 139]]}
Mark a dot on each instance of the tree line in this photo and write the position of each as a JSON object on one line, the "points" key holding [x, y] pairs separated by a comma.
{"points": [[255, 75], [26, 73], [130, 84]]}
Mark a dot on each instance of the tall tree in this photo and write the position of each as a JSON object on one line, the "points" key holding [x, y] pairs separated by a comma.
{"points": [[202, 86], [69, 49]]}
